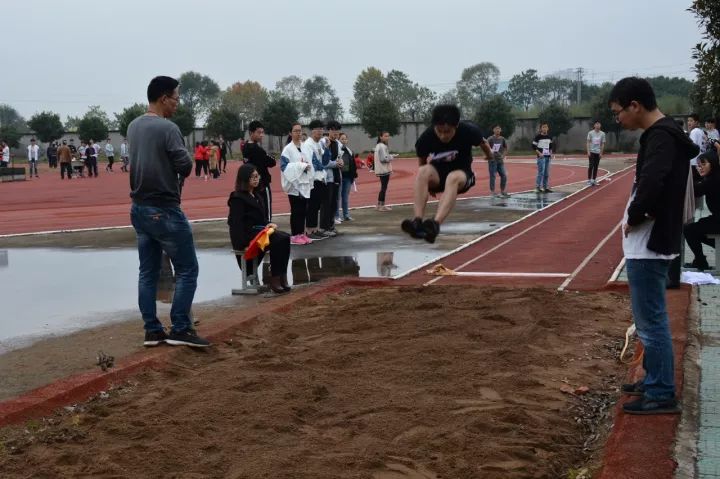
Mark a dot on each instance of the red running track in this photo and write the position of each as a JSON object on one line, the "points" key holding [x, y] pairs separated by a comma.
{"points": [[49, 203], [558, 239]]}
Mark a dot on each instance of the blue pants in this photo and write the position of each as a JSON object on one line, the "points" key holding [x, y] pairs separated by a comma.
{"points": [[165, 229], [347, 183], [647, 279], [543, 171], [497, 167]]}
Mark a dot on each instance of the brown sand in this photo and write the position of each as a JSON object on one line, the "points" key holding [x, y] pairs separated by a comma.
{"points": [[418, 383]]}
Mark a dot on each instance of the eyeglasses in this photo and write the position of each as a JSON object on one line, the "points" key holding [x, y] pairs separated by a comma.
{"points": [[616, 114], [176, 98]]}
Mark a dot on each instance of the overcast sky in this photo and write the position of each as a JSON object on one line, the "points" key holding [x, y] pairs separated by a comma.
{"points": [[65, 56]]}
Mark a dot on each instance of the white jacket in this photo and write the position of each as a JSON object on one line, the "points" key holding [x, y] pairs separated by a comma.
{"points": [[33, 152], [297, 172]]}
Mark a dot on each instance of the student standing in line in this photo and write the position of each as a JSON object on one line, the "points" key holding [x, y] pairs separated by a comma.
{"points": [[544, 149], [65, 157], [124, 156], [52, 154], [496, 165], [319, 157], [297, 177], [595, 148], [255, 154], [33, 151], [110, 153], [383, 168], [92, 157], [5, 157], [349, 174]]}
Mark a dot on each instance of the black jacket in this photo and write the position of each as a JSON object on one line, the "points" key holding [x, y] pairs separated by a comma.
{"points": [[709, 187], [663, 164], [246, 218], [353, 167], [256, 155]]}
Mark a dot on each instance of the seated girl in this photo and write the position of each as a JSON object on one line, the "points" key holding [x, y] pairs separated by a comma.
{"points": [[248, 216], [709, 187]]}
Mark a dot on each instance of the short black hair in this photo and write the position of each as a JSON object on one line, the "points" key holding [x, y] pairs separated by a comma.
{"points": [[597, 121], [334, 125], [445, 115], [254, 125], [711, 157], [632, 89], [316, 124], [160, 86], [497, 125], [710, 120], [695, 117]]}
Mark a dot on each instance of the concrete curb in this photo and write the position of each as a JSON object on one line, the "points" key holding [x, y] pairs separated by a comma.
{"points": [[77, 388]]}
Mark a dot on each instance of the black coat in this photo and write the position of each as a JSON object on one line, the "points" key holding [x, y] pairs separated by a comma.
{"points": [[256, 155], [663, 164], [353, 167], [709, 187], [246, 218]]}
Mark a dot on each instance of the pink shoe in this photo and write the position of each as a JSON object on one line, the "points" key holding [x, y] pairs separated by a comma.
{"points": [[306, 239], [297, 240]]}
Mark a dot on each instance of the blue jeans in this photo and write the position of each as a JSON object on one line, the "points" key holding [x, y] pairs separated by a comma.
{"points": [[497, 167], [647, 279], [165, 229], [347, 183], [543, 171]]}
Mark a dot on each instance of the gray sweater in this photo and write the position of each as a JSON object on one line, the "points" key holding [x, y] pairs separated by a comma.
{"points": [[158, 159]]}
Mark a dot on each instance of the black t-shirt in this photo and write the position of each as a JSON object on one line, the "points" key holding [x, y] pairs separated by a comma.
{"points": [[458, 150]]}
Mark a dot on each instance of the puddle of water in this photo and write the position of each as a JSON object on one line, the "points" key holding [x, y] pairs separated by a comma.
{"points": [[58, 291], [521, 201]]}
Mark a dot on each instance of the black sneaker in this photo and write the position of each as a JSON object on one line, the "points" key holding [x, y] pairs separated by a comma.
{"points": [[634, 389], [547, 190], [188, 337], [432, 229], [413, 228], [646, 407], [154, 338], [701, 265], [317, 236]]}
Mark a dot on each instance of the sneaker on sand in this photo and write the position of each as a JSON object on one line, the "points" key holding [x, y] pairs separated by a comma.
{"points": [[538, 190], [348, 218], [505, 194], [646, 407], [317, 236], [188, 337], [589, 182], [154, 338], [432, 229], [547, 190], [413, 227], [634, 389]]}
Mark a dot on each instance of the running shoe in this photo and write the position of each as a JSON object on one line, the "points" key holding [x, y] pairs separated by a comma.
{"points": [[413, 227], [188, 337], [432, 229], [154, 338], [316, 236], [297, 240], [547, 190], [348, 218], [306, 238], [504, 195]]}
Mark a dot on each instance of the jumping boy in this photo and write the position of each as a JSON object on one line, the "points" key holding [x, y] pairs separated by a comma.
{"points": [[444, 152]]}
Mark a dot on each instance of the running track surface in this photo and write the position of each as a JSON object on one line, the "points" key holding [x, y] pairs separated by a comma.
{"points": [[49, 203]]}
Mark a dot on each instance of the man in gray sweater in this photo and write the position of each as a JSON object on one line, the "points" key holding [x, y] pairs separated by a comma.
{"points": [[159, 162]]}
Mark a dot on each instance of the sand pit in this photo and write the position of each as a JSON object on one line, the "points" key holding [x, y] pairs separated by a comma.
{"points": [[447, 382]]}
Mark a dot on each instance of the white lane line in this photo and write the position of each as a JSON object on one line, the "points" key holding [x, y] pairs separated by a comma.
{"points": [[532, 227], [492, 274], [589, 257]]}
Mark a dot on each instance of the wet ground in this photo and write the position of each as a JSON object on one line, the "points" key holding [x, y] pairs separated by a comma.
{"points": [[93, 276]]}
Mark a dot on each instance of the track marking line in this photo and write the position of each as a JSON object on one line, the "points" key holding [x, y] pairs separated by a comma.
{"points": [[624, 172], [589, 257], [490, 274]]}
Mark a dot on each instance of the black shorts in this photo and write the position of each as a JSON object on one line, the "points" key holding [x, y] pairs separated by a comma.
{"points": [[444, 169]]}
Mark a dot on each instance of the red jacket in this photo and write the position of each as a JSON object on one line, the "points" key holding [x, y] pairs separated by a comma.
{"points": [[200, 152]]}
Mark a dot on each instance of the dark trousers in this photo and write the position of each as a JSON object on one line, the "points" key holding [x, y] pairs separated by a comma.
{"points": [[298, 213], [695, 234], [223, 163], [53, 161], [111, 160], [203, 165], [91, 164], [594, 162], [33, 167], [65, 167], [329, 207], [279, 250], [384, 180], [266, 195], [317, 198]]}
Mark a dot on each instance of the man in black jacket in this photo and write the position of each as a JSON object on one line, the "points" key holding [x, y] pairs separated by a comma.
{"points": [[652, 227], [256, 155]]}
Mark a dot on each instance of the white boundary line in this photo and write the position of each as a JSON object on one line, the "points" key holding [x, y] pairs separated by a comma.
{"points": [[205, 220], [617, 271], [623, 171], [588, 258], [483, 274]]}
